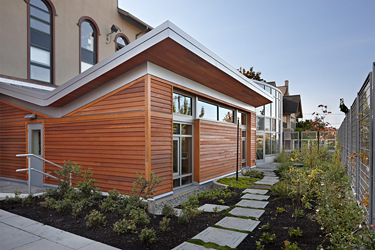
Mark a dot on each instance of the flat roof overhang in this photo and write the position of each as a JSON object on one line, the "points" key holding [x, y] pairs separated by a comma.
{"points": [[166, 46]]}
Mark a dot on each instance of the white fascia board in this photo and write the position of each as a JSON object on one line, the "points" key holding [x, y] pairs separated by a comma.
{"points": [[170, 76]]}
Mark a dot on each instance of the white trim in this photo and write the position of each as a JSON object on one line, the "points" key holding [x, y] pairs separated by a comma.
{"points": [[160, 196], [25, 84]]}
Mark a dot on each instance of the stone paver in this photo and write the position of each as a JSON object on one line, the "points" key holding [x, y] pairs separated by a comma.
{"points": [[221, 237], [210, 208], [238, 223], [266, 182], [43, 244], [255, 197], [16, 238], [255, 191], [190, 246], [253, 204], [247, 212], [260, 187]]}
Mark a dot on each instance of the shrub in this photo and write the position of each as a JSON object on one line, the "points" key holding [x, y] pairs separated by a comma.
{"points": [[143, 188], [216, 193], [139, 216], [168, 210], [280, 210], [268, 238], [111, 202], [14, 199], [148, 235], [95, 219], [295, 232], [164, 224], [48, 203], [298, 213], [289, 246], [266, 226], [27, 199], [124, 226], [77, 207], [189, 210], [252, 173], [62, 205], [243, 182], [259, 245], [281, 189]]}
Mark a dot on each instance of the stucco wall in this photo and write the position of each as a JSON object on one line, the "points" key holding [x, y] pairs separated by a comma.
{"points": [[13, 27], [13, 38]]}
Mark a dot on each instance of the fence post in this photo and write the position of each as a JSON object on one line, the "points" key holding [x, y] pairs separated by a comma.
{"points": [[29, 172], [357, 147], [371, 152]]}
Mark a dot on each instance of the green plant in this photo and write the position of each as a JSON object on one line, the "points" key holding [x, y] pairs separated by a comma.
{"points": [[289, 246], [267, 238], [164, 224], [62, 205], [266, 226], [216, 193], [48, 203], [280, 210], [189, 210], [168, 210], [143, 188], [95, 219], [215, 210], [139, 216], [27, 199], [252, 173], [222, 201], [77, 207], [14, 199], [148, 235], [298, 213], [124, 226], [280, 188], [273, 218], [295, 232], [111, 202], [259, 245], [243, 182]]}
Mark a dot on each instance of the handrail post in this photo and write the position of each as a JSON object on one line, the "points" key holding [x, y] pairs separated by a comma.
{"points": [[29, 170], [70, 174]]}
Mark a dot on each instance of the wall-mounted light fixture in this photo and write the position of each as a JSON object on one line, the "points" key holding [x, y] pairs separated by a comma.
{"points": [[114, 29], [30, 116]]}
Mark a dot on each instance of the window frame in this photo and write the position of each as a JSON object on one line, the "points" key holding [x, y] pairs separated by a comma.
{"points": [[52, 12], [122, 36], [96, 39]]}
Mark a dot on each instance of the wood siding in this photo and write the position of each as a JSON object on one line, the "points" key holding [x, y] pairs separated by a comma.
{"points": [[161, 96], [12, 113], [131, 97], [12, 142], [217, 149], [114, 148], [252, 139]]}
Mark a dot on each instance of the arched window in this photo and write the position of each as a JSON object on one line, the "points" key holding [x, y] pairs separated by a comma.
{"points": [[41, 44], [121, 41], [89, 32]]}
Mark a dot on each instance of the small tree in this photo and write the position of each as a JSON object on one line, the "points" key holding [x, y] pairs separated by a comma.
{"points": [[251, 74]]}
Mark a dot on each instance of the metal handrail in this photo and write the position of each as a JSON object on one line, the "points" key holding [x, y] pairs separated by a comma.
{"points": [[29, 168]]}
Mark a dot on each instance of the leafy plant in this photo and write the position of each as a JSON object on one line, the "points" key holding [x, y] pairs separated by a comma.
{"points": [[295, 232], [95, 219], [243, 182], [215, 210], [222, 201], [259, 245], [27, 199], [267, 238], [14, 199], [164, 224], [289, 246], [189, 210], [124, 226], [280, 210], [252, 173], [77, 207], [217, 193], [139, 216], [111, 202], [266, 226], [48, 203], [143, 188], [148, 235], [298, 213], [62, 205], [168, 210]]}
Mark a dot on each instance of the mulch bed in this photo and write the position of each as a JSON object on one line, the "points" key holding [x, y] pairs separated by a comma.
{"points": [[312, 235]]}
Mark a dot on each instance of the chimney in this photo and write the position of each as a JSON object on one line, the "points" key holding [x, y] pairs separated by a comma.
{"points": [[286, 83]]}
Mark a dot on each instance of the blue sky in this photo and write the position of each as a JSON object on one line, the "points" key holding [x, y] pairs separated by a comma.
{"points": [[325, 48]]}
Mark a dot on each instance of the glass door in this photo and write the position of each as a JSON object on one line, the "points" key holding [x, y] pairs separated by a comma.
{"points": [[260, 150], [243, 149]]}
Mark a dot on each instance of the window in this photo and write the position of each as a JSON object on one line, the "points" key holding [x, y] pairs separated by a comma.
{"points": [[121, 41], [225, 115], [89, 32], [181, 104], [260, 123], [207, 110], [40, 52]]}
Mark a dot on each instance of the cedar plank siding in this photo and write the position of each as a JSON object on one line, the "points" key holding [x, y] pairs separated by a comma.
{"points": [[217, 149], [114, 148], [12, 113], [253, 139], [131, 98], [161, 134], [12, 142]]}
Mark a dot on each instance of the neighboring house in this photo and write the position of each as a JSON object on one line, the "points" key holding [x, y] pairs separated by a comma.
{"points": [[268, 124], [163, 103]]}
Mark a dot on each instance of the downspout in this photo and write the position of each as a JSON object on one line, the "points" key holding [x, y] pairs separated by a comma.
{"points": [[143, 31]]}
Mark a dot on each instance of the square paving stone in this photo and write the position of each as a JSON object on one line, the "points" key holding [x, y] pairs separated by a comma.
{"points": [[210, 208], [16, 238], [255, 197], [238, 223], [190, 246], [254, 204], [221, 237], [43, 244], [255, 191], [266, 182], [247, 212], [5, 214], [18, 221]]}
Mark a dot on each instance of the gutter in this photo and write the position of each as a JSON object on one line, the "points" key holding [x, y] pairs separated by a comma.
{"points": [[136, 19]]}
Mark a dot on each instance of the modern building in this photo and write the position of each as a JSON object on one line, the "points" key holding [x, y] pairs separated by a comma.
{"points": [[163, 103], [268, 124]]}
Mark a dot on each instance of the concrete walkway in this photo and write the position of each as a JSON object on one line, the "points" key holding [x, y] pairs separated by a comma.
{"points": [[252, 205], [7, 188]]}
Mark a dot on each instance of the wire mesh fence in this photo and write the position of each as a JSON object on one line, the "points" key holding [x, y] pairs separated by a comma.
{"points": [[356, 135]]}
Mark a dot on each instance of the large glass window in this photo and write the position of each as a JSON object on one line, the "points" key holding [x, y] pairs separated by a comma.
{"points": [[260, 110], [207, 110], [182, 104], [259, 147], [268, 143], [225, 115], [268, 124], [40, 42], [260, 123], [268, 109], [88, 45]]}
